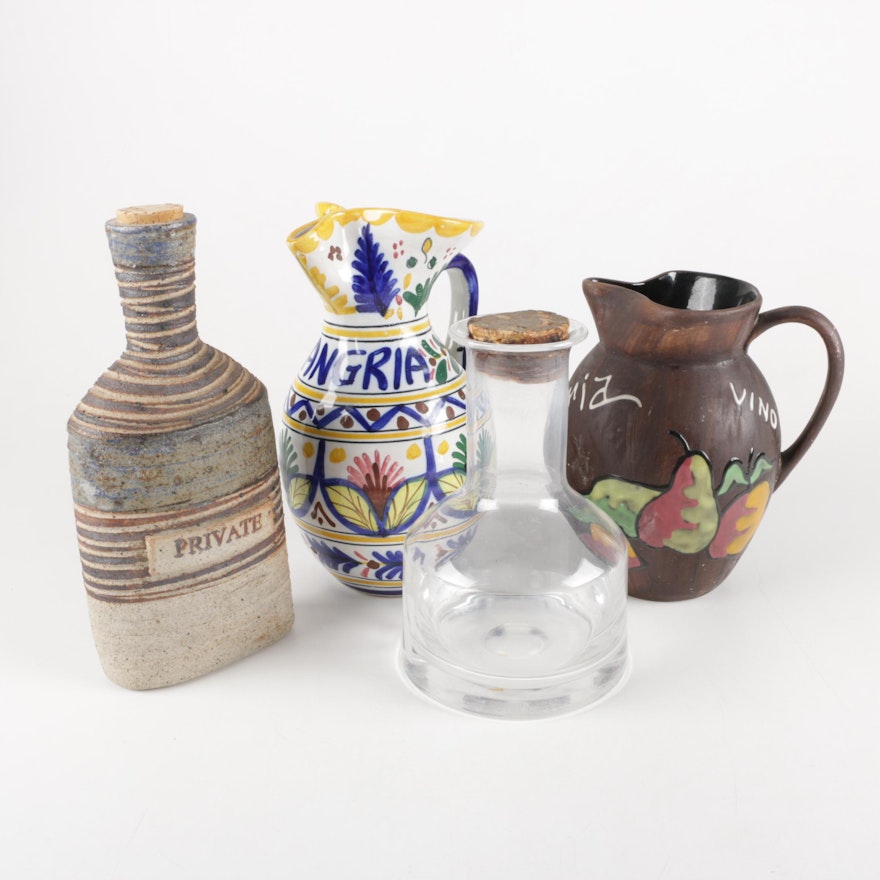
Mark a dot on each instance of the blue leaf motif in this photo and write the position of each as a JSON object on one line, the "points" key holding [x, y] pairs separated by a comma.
{"points": [[390, 565], [332, 557], [373, 283]]}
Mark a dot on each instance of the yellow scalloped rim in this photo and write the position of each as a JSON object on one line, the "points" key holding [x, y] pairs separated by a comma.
{"points": [[304, 239]]}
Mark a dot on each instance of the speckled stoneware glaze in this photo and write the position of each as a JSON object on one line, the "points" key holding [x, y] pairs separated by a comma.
{"points": [[672, 428], [374, 425], [175, 479]]}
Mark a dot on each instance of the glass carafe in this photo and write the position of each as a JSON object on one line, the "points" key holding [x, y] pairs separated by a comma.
{"points": [[514, 587]]}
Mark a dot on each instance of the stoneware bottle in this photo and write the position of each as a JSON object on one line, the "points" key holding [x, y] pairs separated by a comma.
{"points": [[175, 481], [673, 430]]}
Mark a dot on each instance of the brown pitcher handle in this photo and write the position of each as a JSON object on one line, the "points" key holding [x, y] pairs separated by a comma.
{"points": [[833, 379]]}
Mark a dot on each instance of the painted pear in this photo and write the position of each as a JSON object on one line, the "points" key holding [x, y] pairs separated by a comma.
{"points": [[685, 516], [622, 501], [740, 521]]}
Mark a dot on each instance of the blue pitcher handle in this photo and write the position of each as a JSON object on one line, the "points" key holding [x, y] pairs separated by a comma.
{"points": [[464, 299]]}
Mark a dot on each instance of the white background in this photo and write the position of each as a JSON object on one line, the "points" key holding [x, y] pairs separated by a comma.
{"points": [[619, 139]]}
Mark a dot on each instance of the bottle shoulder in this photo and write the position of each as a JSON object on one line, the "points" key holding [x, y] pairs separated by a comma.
{"points": [[135, 396]]}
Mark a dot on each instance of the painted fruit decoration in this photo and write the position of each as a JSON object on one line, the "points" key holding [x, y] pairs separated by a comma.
{"points": [[685, 516], [690, 515], [741, 517]]}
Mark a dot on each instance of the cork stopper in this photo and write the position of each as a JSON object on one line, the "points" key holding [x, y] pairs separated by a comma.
{"points": [[146, 215], [531, 327], [528, 327]]}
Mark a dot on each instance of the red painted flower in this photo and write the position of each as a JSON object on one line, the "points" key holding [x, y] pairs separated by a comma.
{"points": [[377, 477]]}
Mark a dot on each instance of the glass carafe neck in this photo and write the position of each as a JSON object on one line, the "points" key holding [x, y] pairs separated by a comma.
{"points": [[517, 418]]}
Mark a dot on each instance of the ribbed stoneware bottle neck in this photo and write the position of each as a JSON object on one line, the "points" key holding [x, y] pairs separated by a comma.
{"points": [[155, 271]]}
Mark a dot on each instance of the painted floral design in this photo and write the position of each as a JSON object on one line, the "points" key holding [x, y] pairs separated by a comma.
{"points": [[381, 565], [378, 478], [418, 296], [373, 283], [387, 566], [298, 484], [459, 457], [288, 456], [438, 358], [376, 499], [333, 557]]}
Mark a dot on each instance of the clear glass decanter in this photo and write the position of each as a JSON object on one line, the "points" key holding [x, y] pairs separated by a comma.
{"points": [[514, 587]]}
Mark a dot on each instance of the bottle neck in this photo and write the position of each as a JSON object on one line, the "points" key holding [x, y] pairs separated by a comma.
{"points": [[160, 311], [517, 423], [155, 271]]}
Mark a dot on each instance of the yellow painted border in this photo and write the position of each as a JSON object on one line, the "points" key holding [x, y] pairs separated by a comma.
{"points": [[373, 436], [349, 538], [377, 586], [334, 331], [304, 239]]}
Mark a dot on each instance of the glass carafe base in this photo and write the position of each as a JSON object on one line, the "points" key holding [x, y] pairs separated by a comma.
{"points": [[510, 698], [517, 657]]}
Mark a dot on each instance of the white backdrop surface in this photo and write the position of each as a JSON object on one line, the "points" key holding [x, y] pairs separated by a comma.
{"points": [[615, 139]]}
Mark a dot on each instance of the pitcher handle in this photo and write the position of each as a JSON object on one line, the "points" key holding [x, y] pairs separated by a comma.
{"points": [[464, 300], [834, 376]]}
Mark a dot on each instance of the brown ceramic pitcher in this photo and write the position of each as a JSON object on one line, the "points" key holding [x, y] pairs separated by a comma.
{"points": [[672, 428]]}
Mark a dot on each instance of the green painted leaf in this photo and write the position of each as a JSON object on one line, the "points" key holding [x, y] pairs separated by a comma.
{"points": [[734, 474], [411, 262], [299, 491], [352, 506], [413, 300], [404, 502], [288, 454], [761, 466], [442, 372], [459, 457]]}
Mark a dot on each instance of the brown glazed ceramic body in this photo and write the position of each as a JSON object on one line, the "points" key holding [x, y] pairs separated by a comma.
{"points": [[175, 481], [672, 428]]}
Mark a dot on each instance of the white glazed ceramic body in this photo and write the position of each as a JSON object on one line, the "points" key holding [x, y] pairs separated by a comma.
{"points": [[373, 430]]}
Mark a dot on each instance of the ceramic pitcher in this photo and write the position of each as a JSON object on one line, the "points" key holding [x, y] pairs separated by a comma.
{"points": [[374, 425], [673, 429]]}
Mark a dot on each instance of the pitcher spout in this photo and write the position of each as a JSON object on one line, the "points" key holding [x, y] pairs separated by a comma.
{"points": [[613, 304], [378, 262], [676, 315]]}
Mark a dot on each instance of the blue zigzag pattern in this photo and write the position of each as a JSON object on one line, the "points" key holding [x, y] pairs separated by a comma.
{"points": [[426, 420]]}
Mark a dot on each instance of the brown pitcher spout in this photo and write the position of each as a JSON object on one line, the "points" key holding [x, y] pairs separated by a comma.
{"points": [[674, 317]]}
